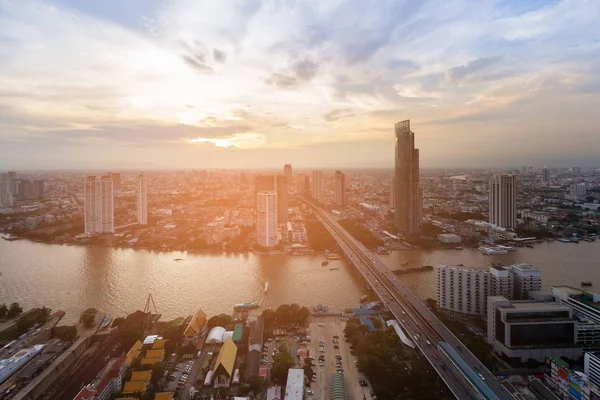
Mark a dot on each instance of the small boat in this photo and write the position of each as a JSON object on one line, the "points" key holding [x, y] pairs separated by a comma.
{"points": [[364, 297], [332, 256], [405, 262], [564, 240], [10, 238], [105, 321], [586, 283], [266, 286], [332, 269], [178, 259], [246, 305], [529, 246], [324, 263], [458, 248]]}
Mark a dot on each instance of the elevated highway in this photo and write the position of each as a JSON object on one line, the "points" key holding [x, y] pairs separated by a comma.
{"points": [[418, 321]]}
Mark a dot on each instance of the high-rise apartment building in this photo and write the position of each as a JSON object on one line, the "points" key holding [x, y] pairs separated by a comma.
{"points": [[407, 199], [340, 189], [116, 178], [266, 219], [302, 183], [29, 190], [546, 176], [287, 172], [578, 189], [503, 201], [392, 194], [281, 184], [6, 194], [462, 290], [99, 207], [142, 199], [315, 187], [465, 290]]}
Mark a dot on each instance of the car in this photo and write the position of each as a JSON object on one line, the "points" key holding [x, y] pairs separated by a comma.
{"points": [[309, 392], [363, 383], [428, 342], [340, 371], [313, 379], [481, 376], [434, 356], [321, 324], [336, 346]]}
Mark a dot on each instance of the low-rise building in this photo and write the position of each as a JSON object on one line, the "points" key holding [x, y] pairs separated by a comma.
{"points": [[449, 238], [107, 382], [531, 329], [223, 369], [586, 308], [294, 389]]}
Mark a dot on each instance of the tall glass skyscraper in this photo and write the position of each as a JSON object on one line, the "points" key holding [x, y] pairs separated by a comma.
{"points": [[407, 190]]}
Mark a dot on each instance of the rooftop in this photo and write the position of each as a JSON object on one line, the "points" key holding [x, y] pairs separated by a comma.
{"points": [[164, 396], [295, 384], [132, 387], [535, 306]]}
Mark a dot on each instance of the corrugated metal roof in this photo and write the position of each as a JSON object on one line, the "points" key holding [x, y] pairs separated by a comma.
{"points": [[338, 387], [226, 357]]}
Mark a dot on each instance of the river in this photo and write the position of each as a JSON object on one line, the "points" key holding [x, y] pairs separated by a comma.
{"points": [[72, 278]]}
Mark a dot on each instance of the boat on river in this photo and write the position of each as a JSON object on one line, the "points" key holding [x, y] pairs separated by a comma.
{"points": [[266, 286], [105, 321], [586, 283], [324, 263], [363, 297], [10, 238], [332, 256]]}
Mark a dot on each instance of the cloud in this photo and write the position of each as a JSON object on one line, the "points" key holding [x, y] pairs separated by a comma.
{"points": [[282, 81], [241, 141], [196, 57], [219, 56], [299, 72], [457, 74], [335, 115]]}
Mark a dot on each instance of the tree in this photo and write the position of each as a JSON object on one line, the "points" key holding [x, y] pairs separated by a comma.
{"points": [[88, 317], [268, 316], [117, 322], [3, 311], [65, 333], [131, 334], [219, 320], [35, 316], [14, 310], [256, 384], [170, 347], [282, 362], [158, 369]]}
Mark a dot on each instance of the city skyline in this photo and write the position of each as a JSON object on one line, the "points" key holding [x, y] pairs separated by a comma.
{"points": [[173, 86]]}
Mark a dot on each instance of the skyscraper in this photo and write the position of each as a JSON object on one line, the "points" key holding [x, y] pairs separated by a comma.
{"points": [[116, 178], [340, 189], [99, 208], [503, 201], [302, 183], [287, 172], [31, 190], [142, 200], [266, 219], [545, 176], [7, 196], [264, 183], [315, 189], [407, 191], [281, 184]]}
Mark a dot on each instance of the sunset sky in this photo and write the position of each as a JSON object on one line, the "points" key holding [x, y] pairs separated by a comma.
{"points": [[234, 84]]}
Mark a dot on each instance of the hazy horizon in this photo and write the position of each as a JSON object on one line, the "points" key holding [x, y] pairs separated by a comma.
{"points": [[185, 84]]}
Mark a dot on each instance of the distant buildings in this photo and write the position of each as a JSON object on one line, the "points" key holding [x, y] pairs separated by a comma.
{"points": [[287, 172], [545, 176], [281, 184], [503, 201], [531, 329], [462, 290], [98, 204], [316, 185], [586, 307], [577, 190], [340, 189], [116, 178], [302, 183], [29, 190], [407, 190], [266, 219], [9, 186], [142, 200]]}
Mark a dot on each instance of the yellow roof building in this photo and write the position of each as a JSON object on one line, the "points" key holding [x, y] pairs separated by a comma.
{"points": [[226, 358], [134, 352], [164, 396], [150, 360], [133, 387], [159, 344], [195, 325], [140, 376], [156, 353]]}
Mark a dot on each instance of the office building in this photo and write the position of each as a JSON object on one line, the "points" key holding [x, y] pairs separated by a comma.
{"points": [[294, 389], [302, 183], [99, 206], [503, 201], [142, 200], [315, 187], [531, 329], [281, 184], [340, 189], [586, 308], [462, 290], [29, 190], [116, 178], [546, 176], [407, 190], [577, 189], [591, 366], [266, 219], [287, 172]]}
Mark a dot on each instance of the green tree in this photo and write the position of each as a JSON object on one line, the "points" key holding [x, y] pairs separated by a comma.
{"points": [[14, 310], [256, 384], [3, 311], [170, 347], [158, 369], [65, 333], [131, 334], [117, 322], [88, 317], [282, 362], [269, 316], [219, 320], [35, 316]]}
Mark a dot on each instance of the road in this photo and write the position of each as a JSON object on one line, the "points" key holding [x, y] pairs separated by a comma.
{"points": [[414, 316]]}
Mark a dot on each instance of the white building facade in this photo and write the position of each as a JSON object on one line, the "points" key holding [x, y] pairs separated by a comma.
{"points": [[462, 290], [142, 200], [503, 201], [99, 205], [266, 219]]}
